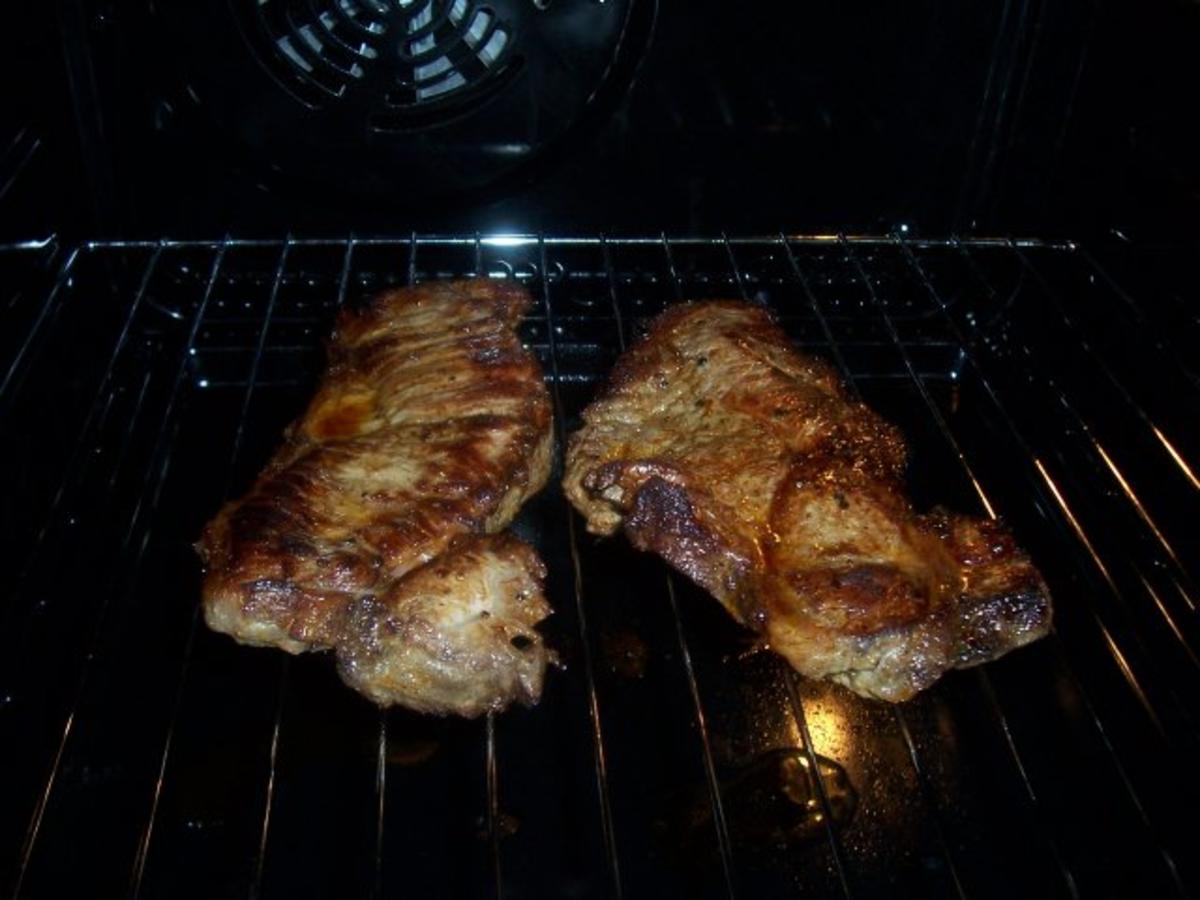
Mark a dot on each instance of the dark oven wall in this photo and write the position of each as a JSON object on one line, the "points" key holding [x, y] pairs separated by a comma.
{"points": [[1011, 116], [43, 187]]}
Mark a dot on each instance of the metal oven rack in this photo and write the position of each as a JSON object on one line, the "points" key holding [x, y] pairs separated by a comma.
{"points": [[143, 382]]}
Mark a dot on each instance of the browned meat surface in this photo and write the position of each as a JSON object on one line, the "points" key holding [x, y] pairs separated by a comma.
{"points": [[468, 615], [432, 425], [748, 467]]}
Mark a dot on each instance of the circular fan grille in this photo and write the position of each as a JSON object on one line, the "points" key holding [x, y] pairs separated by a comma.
{"points": [[430, 54], [399, 101]]}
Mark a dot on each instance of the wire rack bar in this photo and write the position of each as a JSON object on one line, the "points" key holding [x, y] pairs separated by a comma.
{"points": [[1069, 475], [45, 313], [597, 732], [149, 495], [532, 240], [1120, 766], [797, 704], [1103, 464], [724, 844], [1106, 370], [1071, 531], [146, 845], [851, 381], [281, 694], [898, 715]]}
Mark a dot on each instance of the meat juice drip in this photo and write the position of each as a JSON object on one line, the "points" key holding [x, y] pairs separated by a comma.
{"points": [[771, 804], [625, 654], [775, 800]]}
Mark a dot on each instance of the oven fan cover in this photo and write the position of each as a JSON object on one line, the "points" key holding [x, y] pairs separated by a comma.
{"points": [[406, 97]]}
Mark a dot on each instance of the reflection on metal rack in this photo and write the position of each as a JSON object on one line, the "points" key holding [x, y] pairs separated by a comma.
{"points": [[1031, 386]]}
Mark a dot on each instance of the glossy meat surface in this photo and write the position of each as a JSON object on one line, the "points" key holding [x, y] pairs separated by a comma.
{"points": [[468, 614], [432, 424], [749, 468]]}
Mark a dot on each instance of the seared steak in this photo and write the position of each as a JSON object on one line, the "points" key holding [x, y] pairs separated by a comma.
{"points": [[431, 426], [749, 468]]}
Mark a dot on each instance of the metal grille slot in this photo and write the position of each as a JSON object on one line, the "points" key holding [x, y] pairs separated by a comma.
{"points": [[146, 381], [430, 49]]}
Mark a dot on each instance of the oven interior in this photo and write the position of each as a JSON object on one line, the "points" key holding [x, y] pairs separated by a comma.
{"points": [[188, 194], [1048, 383], [159, 118]]}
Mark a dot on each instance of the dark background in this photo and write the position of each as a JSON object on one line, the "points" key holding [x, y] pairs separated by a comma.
{"points": [[1050, 118]]}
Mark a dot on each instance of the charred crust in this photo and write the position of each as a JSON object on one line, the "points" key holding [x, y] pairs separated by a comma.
{"points": [[663, 519]]}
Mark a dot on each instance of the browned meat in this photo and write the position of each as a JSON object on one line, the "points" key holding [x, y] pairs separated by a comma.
{"points": [[748, 467], [468, 615], [432, 424]]}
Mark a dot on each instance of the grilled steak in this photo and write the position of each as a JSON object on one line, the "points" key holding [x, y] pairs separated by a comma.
{"points": [[431, 426], [749, 468]]}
